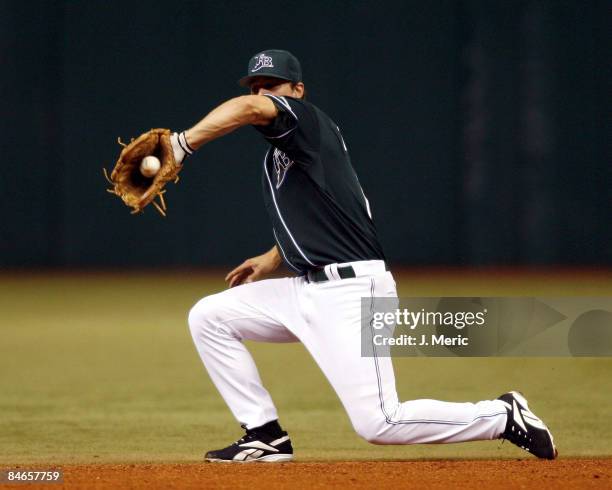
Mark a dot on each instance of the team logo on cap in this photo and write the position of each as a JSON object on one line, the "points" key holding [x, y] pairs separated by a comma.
{"points": [[263, 61]]}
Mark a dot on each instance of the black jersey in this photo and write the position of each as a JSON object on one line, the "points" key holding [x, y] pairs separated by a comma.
{"points": [[318, 210]]}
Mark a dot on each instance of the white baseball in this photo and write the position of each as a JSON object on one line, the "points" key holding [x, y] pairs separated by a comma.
{"points": [[150, 166]]}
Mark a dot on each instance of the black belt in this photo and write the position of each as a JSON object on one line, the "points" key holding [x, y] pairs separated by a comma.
{"points": [[344, 271], [318, 275]]}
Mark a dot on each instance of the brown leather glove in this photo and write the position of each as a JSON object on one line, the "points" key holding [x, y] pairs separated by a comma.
{"points": [[136, 190]]}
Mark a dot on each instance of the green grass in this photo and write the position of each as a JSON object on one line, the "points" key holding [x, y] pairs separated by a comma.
{"points": [[101, 368]]}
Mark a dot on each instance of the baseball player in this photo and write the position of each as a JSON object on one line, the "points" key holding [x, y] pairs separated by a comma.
{"points": [[323, 230]]}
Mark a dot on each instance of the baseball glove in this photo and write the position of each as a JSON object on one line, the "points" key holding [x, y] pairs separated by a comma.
{"points": [[136, 190]]}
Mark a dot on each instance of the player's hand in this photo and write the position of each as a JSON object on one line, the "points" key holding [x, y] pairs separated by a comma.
{"points": [[254, 268]]}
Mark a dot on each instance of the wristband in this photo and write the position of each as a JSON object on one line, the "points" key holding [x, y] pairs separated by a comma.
{"points": [[182, 141]]}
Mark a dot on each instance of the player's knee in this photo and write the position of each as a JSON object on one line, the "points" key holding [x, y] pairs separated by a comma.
{"points": [[202, 316], [370, 434], [373, 429]]}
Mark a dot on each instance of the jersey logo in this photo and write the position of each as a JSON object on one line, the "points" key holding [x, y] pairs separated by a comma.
{"points": [[281, 164], [263, 61]]}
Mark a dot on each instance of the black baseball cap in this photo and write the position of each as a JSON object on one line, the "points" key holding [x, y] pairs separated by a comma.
{"points": [[275, 63]]}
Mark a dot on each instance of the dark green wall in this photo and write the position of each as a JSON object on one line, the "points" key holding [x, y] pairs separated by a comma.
{"points": [[478, 129]]}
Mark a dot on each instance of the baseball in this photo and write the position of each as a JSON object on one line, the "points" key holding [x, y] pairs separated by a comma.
{"points": [[150, 166]]}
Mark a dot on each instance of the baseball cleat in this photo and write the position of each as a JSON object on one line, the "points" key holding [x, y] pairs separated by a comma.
{"points": [[255, 446], [525, 429]]}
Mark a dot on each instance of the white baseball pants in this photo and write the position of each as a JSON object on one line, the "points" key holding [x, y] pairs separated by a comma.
{"points": [[326, 318]]}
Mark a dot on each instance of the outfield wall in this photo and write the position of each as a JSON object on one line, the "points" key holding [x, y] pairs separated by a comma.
{"points": [[477, 128]]}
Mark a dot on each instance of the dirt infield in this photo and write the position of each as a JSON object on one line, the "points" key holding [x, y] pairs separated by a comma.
{"points": [[564, 473]]}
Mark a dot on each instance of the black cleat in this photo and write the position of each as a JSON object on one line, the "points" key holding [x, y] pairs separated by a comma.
{"points": [[525, 429], [255, 446]]}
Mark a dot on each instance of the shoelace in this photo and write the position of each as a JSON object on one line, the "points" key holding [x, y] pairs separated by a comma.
{"points": [[250, 435]]}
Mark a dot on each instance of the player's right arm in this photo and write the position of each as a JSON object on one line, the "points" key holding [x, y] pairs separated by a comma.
{"points": [[254, 268], [231, 115], [237, 112]]}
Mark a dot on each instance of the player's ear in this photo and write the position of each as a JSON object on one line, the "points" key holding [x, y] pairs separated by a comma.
{"points": [[299, 91]]}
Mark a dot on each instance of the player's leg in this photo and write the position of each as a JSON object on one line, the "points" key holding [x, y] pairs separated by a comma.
{"points": [[218, 324], [366, 385]]}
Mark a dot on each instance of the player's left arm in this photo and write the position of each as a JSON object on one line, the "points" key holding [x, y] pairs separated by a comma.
{"points": [[237, 112], [229, 116]]}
